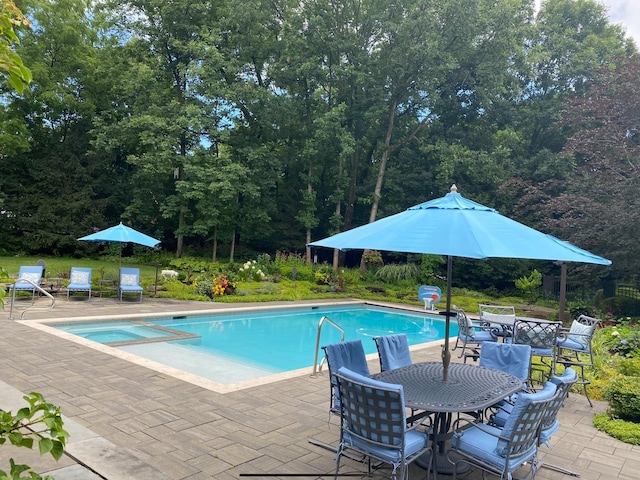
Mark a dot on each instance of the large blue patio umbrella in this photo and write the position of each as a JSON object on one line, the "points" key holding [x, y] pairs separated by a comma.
{"points": [[123, 234], [457, 227]]}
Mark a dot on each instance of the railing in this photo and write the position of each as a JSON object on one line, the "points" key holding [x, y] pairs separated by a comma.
{"points": [[37, 288], [318, 368]]}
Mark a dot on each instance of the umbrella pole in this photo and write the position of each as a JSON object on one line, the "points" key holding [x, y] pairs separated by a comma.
{"points": [[446, 354]]}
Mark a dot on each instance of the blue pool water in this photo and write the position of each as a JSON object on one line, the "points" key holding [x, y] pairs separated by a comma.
{"points": [[259, 342]]}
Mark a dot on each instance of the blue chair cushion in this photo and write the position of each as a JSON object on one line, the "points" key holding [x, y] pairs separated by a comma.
{"points": [[483, 336], [522, 403], [573, 345], [547, 433], [484, 446], [414, 441]]}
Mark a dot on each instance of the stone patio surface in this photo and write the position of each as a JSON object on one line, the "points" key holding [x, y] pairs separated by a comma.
{"points": [[134, 421]]}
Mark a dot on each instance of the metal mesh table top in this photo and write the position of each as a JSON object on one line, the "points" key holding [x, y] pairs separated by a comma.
{"points": [[468, 387]]}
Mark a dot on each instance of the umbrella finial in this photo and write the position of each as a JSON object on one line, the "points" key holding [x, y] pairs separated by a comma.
{"points": [[454, 189]]}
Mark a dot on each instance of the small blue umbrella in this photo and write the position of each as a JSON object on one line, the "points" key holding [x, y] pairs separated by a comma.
{"points": [[457, 227], [123, 234]]}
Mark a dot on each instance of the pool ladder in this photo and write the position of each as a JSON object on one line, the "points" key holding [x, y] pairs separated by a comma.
{"points": [[40, 291], [317, 368]]}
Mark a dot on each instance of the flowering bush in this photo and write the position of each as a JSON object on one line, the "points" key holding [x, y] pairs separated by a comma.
{"points": [[216, 287], [251, 270], [623, 341]]}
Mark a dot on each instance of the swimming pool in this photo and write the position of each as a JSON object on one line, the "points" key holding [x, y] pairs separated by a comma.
{"points": [[236, 347]]}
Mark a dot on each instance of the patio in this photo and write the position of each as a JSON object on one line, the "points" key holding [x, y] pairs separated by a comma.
{"points": [[130, 422]]}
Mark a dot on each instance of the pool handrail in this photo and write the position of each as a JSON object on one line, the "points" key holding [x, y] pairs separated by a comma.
{"points": [[315, 356]]}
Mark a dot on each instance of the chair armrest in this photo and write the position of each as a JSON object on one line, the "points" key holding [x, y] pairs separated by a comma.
{"points": [[423, 421], [459, 429]]}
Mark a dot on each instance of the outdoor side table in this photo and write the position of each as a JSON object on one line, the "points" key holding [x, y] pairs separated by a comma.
{"points": [[469, 388]]}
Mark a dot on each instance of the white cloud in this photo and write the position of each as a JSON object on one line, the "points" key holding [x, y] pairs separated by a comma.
{"points": [[626, 13]]}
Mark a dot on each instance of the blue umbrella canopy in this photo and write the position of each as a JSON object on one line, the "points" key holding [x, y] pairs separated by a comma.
{"points": [[457, 227], [122, 233]]}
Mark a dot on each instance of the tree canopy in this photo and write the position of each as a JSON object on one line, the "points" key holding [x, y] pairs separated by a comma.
{"points": [[262, 126]]}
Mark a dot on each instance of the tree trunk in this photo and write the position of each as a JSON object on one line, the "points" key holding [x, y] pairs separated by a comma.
{"points": [[377, 192], [233, 244], [214, 250]]}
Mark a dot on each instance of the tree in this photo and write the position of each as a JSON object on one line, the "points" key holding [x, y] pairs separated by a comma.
{"points": [[11, 66], [600, 207]]}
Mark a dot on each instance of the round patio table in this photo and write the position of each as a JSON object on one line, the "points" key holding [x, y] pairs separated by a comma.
{"points": [[468, 389]]}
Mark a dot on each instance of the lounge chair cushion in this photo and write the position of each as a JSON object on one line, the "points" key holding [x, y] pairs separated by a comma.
{"points": [[79, 278], [32, 277], [128, 279]]}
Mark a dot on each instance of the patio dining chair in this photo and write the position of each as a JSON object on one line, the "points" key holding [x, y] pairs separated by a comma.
{"points": [[393, 351], [29, 278], [500, 318], [344, 354], [129, 283], [502, 451], [541, 336], [374, 424], [574, 349], [549, 424], [471, 336], [79, 281]]}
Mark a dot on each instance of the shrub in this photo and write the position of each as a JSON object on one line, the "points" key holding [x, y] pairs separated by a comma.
{"points": [[623, 394], [397, 272], [624, 431]]}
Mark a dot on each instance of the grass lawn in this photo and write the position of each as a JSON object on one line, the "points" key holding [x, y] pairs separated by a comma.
{"points": [[60, 267]]}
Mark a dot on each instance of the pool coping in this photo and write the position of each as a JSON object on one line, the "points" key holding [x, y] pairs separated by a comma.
{"points": [[42, 324]]}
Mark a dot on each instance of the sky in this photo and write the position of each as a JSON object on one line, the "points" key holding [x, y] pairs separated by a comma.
{"points": [[625, 13]]}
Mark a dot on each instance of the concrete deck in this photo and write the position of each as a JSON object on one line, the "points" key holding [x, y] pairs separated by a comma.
{"points": [[130, 421]]}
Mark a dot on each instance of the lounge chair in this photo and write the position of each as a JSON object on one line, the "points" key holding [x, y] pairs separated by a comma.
{"points": [[29, 279], [79, 281], [129, 283]]}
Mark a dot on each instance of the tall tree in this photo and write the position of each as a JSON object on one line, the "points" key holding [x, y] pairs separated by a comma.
{"points": [[600, 207], [49, 190]]}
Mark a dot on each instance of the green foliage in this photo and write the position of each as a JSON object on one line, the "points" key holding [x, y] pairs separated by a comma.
{"points": [[623, 394], [372, 257], [580, 308], [621, 306], [398, 272], [530, 286], [621, 340], [625, 431], [40, 422], [11, 66]]}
